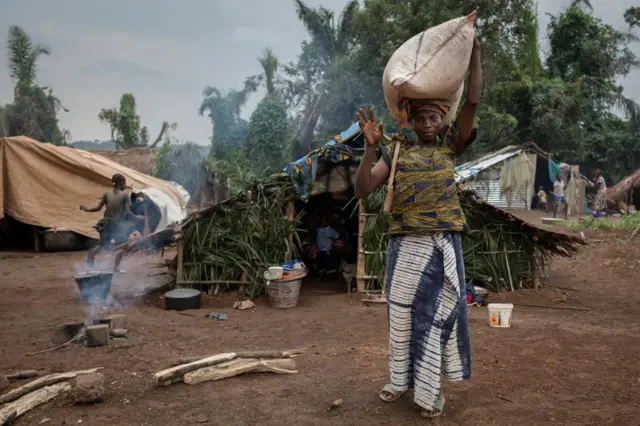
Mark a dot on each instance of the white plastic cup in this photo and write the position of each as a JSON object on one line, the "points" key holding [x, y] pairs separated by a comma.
{"points": [[500, 314], [274, 273]]}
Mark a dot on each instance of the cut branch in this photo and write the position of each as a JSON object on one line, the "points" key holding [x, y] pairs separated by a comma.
{"points": [[240, 366], [40, 383], [11, 411], [175, 374]]}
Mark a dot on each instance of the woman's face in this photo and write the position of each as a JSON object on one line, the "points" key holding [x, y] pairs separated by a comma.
{"points": [[427, 124]]}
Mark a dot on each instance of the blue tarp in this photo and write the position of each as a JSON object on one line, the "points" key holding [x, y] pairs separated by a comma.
{"points": [[303, 171]]}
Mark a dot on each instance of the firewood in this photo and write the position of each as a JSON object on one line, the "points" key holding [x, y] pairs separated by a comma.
{"points": [[118, 332], [175, 374], [40, 383], [32, 400], [246, 354], [241, 366], [27, 374]]}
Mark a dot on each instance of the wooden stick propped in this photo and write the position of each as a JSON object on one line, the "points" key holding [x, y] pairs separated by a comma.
{"points": [[388, 201]]}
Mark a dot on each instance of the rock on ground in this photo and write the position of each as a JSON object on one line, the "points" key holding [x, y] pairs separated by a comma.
{"points": [[89, 387]]}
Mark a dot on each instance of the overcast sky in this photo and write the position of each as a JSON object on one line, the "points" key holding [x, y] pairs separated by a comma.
{"points": [[165, 52]]}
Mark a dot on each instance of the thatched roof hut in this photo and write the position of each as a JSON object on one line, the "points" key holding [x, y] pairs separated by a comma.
{"points": [[138, 159], [232, 242], [625, 193]]}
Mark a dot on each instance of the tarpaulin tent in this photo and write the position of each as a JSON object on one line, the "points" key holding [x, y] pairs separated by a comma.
{"points": [[43, 185]]}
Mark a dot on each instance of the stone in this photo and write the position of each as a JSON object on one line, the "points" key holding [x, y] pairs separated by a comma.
{"points": [[97, 335], [89, 387], [117, 321]]}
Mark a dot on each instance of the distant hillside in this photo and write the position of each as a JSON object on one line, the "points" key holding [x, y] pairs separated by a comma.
{"points": [[94, 145]]}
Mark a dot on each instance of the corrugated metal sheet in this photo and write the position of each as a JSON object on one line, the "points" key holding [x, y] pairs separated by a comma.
{"points": [[489, 190], [472, 168]]}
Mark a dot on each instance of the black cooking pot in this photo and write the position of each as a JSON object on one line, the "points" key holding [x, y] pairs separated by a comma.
{"points": [[94, 286], [181, 299]]}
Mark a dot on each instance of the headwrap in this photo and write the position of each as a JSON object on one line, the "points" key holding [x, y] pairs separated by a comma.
{"points": [[413, 106]]}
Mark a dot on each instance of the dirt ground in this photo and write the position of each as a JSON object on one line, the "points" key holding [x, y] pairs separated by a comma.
{"points": [[552, 367]]}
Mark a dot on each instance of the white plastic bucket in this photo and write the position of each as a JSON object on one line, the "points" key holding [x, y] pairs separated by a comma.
{"points": [[500, 314]]}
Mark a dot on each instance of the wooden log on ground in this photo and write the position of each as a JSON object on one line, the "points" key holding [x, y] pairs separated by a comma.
{"points": [[175, 374], [4, 383], [40, 383], [246, 354], [240, 366], [118, 332], [26, 374], [32, 400]]}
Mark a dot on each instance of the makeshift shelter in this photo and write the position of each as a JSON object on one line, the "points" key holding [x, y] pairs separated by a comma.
{"points": [[511, 177], [233, 242], [43, 185], [625, 195]]}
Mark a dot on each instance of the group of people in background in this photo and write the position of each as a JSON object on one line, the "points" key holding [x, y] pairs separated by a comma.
{"points": [[560, 200]]}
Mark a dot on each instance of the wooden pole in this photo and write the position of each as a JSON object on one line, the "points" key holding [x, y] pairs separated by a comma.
{"points": [[241, 290], [290, 214], [179, 271], [362, 263]]}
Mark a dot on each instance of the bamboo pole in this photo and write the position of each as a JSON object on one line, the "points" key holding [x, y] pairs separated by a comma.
{"points": [[243, 278], [290, 215], [179, 272], [361, 265]]}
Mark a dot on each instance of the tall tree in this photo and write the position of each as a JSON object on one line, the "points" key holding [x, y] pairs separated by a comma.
{"points": [[323, 55], [223, 109], [126, 131], [34, 109], [269, 128]]}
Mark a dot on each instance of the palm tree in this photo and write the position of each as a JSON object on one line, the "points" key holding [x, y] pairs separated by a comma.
{"points": [[23, 57], [331, 41], [223, 108], [269, 63]]}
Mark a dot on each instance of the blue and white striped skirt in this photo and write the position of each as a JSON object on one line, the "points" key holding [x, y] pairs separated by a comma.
{"points": [[426, 303]]}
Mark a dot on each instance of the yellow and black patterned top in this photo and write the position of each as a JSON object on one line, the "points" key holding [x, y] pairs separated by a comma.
{"points": [[425, 195]]}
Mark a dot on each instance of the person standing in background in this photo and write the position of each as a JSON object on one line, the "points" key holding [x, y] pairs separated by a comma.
{"points": [[600, 203], [542, 199], [560, 199]]}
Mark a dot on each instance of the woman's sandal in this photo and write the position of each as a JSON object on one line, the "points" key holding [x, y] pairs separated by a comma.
{"points": [[438, 408], [389, 393]]}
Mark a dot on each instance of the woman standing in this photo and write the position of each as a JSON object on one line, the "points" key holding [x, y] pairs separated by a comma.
{"points": [[600, 203], [426, 295]]}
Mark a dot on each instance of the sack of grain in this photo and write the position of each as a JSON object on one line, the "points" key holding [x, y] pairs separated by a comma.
{"points": [[430, 65]]}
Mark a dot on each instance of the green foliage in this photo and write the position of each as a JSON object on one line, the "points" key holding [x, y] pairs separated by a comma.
{"points": [[223, 108], [234, 168], [625, 222], [269, 133], [244, 236], [126, 131], [34, 110]]}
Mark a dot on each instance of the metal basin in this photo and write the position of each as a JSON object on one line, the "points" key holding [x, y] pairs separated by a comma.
{"points": [[94, 286]]}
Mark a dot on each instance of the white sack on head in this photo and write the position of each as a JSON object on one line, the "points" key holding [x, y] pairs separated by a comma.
{"points": [[430, 65]]}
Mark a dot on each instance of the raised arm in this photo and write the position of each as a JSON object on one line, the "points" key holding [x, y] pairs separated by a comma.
{"points": [[94, 209], [369, 177], [474, 88]]}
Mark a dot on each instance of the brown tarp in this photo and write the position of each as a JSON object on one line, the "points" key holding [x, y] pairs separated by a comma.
{"points": [[43, 185]]}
